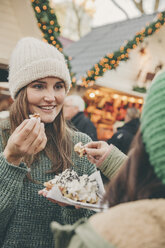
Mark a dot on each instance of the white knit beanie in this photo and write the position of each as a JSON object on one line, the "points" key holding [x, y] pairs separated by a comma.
{"points": [[34, 59]]}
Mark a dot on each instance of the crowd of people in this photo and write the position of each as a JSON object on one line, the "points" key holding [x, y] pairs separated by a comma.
{"points": [[33, 151]]}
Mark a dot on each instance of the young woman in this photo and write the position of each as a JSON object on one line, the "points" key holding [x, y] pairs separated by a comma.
{"points": [[32, 152], [136, 194]]}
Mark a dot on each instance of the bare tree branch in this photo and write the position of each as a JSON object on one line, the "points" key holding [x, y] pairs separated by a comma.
{"points": [[156, 5], [139, 5], [119, 7], [78, 18]]}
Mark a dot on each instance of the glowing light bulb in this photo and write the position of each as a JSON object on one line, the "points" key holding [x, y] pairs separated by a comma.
{"points": [[124, 98], [140, 101], [92, 95], [132, 99], [115, 96]]}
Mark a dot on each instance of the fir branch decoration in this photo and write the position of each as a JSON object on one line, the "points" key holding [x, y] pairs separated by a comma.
{"points": [[111, 61], [48, 24], [140, 89]]}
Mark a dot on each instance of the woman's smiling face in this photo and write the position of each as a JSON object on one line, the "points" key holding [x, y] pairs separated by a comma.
{"points": [[46, 97]]}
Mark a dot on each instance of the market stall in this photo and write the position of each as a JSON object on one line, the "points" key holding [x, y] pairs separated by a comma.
{"points": [[107, 107]]}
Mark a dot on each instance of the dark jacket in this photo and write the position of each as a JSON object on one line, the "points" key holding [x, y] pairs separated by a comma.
{"points": [[84, 125], [123, 137]]}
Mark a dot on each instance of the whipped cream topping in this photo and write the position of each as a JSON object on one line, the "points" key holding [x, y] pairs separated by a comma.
{"points": [[80, 188]]}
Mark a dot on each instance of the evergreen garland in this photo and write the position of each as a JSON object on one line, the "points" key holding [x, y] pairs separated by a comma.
{"points": [[47, 22], [111, 61]]}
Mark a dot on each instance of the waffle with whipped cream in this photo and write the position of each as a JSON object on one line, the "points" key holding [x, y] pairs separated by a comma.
{"points": [[77, 188]]}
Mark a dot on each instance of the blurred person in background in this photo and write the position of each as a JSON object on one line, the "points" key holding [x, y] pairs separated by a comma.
{"points": [[125, 134], [74, 107]]}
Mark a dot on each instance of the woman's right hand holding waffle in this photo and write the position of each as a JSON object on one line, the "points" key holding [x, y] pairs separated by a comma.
{"points": [[28, 138]]}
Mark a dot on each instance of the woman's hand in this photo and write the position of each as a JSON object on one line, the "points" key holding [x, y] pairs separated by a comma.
{"points": [[28, 138], [44, 193], [97, 150]]}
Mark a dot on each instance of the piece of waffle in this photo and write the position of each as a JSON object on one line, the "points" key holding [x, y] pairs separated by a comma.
{"points": [[35, 116], [79, 149]]}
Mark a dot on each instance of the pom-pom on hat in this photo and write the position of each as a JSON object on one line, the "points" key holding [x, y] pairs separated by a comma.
{"points": [[34, 59], [153, 125]]}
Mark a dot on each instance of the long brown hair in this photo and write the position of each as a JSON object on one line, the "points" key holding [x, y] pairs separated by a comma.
{"points": [[59, 144], [136, 179]]}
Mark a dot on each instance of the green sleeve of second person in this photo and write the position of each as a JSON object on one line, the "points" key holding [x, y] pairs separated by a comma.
{"points": [[113, 162]]}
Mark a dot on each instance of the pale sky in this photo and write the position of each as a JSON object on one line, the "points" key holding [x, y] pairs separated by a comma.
{"points": [[107, 12]]}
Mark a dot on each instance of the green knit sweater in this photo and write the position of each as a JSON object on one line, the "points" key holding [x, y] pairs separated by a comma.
{"points": [[25, 216]]}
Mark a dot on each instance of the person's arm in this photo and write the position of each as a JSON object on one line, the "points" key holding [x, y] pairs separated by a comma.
{"points": [[11, 182], [107, 158], [22, 142], [112, 162]]}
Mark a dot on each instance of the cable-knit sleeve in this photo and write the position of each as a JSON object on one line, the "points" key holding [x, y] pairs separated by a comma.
{"points": [[11, 182], [112, 162]]}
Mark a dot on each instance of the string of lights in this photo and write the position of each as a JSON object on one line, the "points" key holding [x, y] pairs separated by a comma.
{"points": [[112, 60]]}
